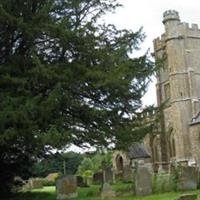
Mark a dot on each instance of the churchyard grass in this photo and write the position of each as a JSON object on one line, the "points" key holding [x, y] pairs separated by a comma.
{"points": [[92, 193]]}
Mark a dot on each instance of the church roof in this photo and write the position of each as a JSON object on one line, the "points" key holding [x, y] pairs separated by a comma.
{"points": [[196, 119], [137, 150]]}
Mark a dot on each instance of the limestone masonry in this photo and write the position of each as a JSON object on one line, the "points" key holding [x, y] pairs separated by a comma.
{"points": [[177, 52]]}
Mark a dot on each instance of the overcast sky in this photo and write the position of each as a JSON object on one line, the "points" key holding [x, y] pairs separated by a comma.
{"points": [[148, 14]]}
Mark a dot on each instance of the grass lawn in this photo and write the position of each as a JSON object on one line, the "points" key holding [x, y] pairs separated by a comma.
{"points": [[92, 193]]}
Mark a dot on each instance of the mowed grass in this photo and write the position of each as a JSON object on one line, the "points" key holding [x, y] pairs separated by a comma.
{"points": [[93, 193]]}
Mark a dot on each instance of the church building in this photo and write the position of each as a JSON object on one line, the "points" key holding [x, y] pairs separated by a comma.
{"points": [[177, 53]]}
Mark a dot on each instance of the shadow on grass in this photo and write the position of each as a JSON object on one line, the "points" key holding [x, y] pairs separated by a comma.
{"points": [[35, 196]]}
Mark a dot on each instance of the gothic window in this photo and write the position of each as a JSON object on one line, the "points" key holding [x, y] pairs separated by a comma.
{"points": [[172, 150]]}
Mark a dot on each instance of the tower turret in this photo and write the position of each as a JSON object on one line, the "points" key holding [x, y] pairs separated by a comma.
{"points": [[170, 15], [171, 20]]}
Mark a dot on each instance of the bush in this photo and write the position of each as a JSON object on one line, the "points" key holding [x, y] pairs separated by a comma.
{"points": [[47, 182]]}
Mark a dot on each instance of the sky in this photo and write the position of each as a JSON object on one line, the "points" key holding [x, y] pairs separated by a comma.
{"points": [[149, 14]]}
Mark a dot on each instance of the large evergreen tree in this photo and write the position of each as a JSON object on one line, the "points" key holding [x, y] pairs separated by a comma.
{"points": [[65, 79]]}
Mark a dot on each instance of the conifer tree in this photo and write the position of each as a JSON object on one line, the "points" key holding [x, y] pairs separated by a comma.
{"points": [[65, 78]]}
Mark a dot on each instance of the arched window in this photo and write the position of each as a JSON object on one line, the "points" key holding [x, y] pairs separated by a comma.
{"points": [[172, 150]]}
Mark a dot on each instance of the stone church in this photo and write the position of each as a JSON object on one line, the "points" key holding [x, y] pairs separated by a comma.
{"points": [[177, 52]]}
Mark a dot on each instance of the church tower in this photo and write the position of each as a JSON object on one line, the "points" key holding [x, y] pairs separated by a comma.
{"points": [[177, 53]]}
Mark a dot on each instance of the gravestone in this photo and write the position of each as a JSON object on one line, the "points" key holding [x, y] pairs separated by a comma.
{"points": [[106, 191], [187, 197], [98, 178], [88, 181], [187, 178], [35, 183], [66, 187], [143, 183], [163, 182], [108, 175], [127, 173]]}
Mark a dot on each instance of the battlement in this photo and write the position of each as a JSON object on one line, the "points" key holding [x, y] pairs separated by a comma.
{"points": [[159, 42], [170, 15], [189, 26], [180, 30], [188, 29]]}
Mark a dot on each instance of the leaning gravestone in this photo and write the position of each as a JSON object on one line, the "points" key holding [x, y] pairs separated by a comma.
{"points": [[106, 191], [66, 188], [187, 197], [187, 178], [143, 183]]}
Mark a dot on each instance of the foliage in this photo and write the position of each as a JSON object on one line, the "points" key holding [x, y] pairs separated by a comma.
{"points": [[48, 182], [87, 173], [85, 166], [54, 163], [65, 79], [95, 163]]}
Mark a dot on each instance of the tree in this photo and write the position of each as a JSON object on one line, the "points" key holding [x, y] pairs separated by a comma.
{"points": [[54, 163], [65, 79], [85, 166]]}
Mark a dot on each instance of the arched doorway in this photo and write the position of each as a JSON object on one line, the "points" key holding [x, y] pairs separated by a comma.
{"points": [[119, 163]]}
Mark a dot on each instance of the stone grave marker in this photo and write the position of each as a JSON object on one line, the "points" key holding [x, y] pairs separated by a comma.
{"points": [[107, 191], [127, 173], [187, 178], [143, 182], [35, 183], [108, 175], [66, 188]]}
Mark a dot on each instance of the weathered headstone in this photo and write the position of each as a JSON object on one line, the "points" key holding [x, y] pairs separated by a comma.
{"points": [[106, 191], [187, 197], [98, 178], [35, 183], [66, 187], [127, 173], [187, 178], [88, 180], [143, 182], [163, 182], [108, 175]]}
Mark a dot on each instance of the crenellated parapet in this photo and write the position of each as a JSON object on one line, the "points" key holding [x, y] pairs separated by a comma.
{"points": [[159, 42], [175, 29], [189, 30]]}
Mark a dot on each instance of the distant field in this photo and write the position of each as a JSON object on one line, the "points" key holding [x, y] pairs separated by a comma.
{"points": [[92, 193]]}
